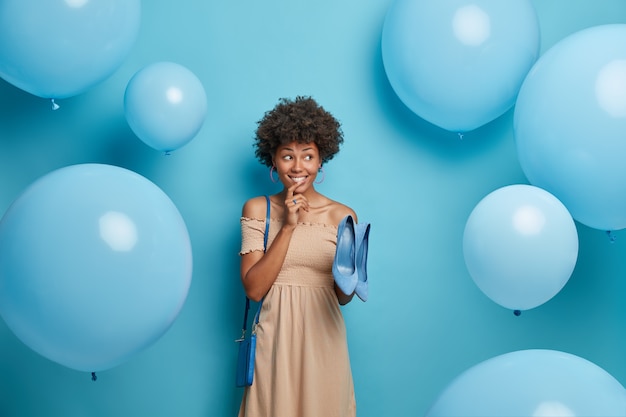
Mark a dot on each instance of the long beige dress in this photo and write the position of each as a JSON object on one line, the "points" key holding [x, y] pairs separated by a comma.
{"points": [[302, 366]]}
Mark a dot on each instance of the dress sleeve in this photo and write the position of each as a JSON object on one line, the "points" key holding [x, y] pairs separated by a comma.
{"points": [[252, 232]]}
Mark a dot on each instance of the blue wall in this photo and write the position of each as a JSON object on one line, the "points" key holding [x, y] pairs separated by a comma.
{"points": [[415, 183]]}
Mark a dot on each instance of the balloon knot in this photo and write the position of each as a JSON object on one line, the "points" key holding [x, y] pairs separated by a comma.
{"points": [[55, 106], [460, 135], [611, 236], [517, 312], [94, 377]]}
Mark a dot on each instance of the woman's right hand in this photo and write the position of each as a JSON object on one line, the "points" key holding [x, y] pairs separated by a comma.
{"points": [[294, 202]]}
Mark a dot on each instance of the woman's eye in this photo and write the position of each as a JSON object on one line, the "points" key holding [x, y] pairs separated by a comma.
{"points": [[308, 157], [287, 157]]}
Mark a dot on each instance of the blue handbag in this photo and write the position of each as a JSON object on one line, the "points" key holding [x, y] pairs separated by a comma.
{"points": [[247, 351], [247, 345]]}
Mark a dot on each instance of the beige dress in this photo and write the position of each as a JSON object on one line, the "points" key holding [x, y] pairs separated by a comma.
{"points": [[302, 366]]}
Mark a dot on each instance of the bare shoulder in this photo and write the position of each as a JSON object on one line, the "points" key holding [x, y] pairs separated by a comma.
{"points": [[254, 208], [338, 211]]}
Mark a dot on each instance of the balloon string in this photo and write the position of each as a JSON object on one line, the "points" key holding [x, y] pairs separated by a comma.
{"points": [[55, 106], [93, 376], [611, 236]]}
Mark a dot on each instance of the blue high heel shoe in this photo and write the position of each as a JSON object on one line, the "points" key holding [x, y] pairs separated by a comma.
{"points": [[362, 239], [344, 265]]}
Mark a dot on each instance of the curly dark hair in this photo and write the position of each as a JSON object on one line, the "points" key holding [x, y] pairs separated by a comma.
{"points": [[302, 120]]}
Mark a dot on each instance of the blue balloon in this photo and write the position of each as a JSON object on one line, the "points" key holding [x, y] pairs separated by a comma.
{"points": [[95, 265], [165, 105], [58, 49], [536, 382], [569, 124], [459, 64], [520, 246]]}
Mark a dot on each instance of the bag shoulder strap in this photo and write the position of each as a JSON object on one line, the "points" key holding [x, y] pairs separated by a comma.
{"points": [[267, 223]]}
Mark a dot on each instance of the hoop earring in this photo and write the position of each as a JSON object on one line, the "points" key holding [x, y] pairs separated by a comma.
{"points": [[272, 176], [321, 169]]}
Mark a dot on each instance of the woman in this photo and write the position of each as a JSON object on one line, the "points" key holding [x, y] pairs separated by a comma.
{"points": [[302, 365]]}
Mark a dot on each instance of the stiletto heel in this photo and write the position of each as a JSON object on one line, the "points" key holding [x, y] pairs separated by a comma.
{"points": [[344, 266], [362, 238]]}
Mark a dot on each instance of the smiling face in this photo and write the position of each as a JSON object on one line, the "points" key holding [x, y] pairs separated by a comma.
{"points": [[297, 163]]}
